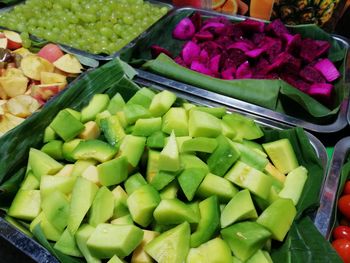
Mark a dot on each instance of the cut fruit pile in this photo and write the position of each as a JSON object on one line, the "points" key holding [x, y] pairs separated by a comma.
{"points": [[150, 179], [252, 50], [28, 80]]}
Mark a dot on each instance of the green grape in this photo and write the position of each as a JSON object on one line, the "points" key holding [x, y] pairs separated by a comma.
{"points": [[107, 32]]}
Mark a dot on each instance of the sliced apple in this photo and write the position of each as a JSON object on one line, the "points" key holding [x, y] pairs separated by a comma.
{"points": [[2, 107], [50, 78], [9, 121], [33, 65], [22, 106], [68, 63], [22, 51], [14, 86], [3, 94], [50, 52], [3, 43], [43, 92], [13, 72], [14, 39]]}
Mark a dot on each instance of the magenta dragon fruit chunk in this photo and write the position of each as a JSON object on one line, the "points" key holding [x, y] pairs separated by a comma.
{"points": [[244, 71], [184, 30], [327, 69], [190, 51]]}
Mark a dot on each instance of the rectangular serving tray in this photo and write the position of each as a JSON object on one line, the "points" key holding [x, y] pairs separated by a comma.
{"points": [[98, 57], [339, 122], [38, 253], [325, 214]]}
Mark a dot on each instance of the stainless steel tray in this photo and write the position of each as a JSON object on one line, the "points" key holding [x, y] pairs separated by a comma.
{"points": [[38, 253], [336, 125], [324, 216], [100, 57]]}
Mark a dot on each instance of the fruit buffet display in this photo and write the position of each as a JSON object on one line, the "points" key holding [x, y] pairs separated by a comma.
{"points": [[108, 171], [29, 79]]}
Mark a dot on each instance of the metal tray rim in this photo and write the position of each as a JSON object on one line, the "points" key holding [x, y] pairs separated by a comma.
{"points": [[324, 215], [339, 123]]}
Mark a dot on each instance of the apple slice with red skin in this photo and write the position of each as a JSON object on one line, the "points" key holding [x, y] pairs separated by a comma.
{"points": [[43, 92], [3, 43], [50, 52], [14, 40]]}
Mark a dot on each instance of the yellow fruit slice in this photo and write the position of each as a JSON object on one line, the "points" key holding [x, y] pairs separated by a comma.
{"points": [[229, 7]]}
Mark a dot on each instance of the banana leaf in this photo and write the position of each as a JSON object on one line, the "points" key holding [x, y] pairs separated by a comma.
{"points": [[282, 97], [111, 79]]}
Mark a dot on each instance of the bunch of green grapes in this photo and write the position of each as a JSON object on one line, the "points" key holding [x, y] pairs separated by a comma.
{"points": [[101, 26]]}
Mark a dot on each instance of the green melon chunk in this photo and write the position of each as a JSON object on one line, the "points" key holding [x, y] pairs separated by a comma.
{"points": [[240, 207], [83, 195], [170, 191], [260, 257], [25, 205], [81, 165], [54, 149], [278, 218], [152, 165], [108, 240], [115, 259], [49, 184], [75, 114], [49, 134], [114, 171], [81, 237], [142, 97], [169, 159], [56, 209], [67, 245], [50, 232], [248, 177], [102, 115], [202, 124], [97, 104], [208, 223], [223, 157], [30, 182], [161, 103], [228, 131], [199, 144], [251, 157], [42, 164], [102, 207], [66, 125], [294, 184], [112, 130], [123, 220], [175, 120], [174, 211], [133, 112], [134, 182], [216, 185], [116, 104], [282, 155], [139, 255], [156, 140], [189, 181], [245, 127], [120, 206], [68, 149], [245, 238], [146, 127], [171, 246], [218, 112], [132, 147], [192, 161], [94, 149], [162, 179], [213, 251], [141, 204]]}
